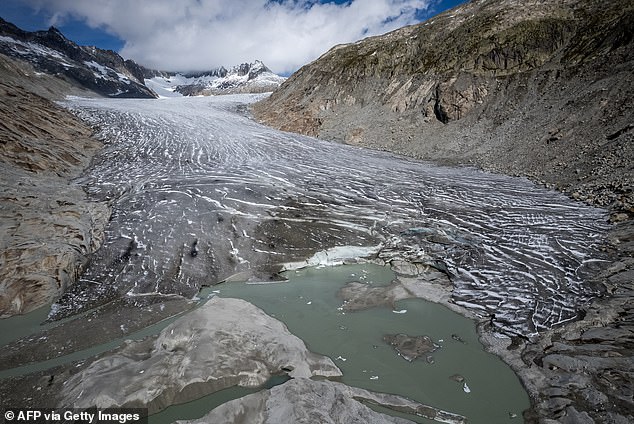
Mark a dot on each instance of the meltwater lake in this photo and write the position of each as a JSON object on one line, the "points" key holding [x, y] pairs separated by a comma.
{"points": [[459, 376]]}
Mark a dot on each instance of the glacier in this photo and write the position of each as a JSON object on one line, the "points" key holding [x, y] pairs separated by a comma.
{"points": [[201, 192]]}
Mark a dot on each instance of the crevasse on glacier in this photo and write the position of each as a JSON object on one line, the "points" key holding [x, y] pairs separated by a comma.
{"points": [[197, 175]]}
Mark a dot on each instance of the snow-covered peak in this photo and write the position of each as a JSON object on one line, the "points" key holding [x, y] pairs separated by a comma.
{"points": [[253, 77], [258, 66]]}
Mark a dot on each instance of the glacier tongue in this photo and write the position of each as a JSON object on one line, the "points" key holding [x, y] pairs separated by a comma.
{"points": [[201, 192]]}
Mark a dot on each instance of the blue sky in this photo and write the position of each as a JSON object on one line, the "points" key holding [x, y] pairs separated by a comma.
{"points": [[201, 34], [19, 13]]}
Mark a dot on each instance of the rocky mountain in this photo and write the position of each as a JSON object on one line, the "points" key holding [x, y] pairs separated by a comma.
{"points": [[245, 78], [108, 74], [101, 71], [48, 226], [541, 89]]}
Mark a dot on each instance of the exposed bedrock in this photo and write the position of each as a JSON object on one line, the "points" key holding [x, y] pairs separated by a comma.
{"points": [[226, 342], [306, 401], [47, 224]]}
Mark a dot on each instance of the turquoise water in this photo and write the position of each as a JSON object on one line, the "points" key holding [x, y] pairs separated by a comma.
{"points": [[199, 407], [19, 326], [309, 306]]}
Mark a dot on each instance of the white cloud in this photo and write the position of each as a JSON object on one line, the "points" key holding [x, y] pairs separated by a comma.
{"points": [[202, 34]]}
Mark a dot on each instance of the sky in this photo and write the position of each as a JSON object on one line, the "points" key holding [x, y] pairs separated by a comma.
{"points": [[195, 35]]}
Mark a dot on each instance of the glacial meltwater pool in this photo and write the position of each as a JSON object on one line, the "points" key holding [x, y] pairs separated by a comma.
{"points": [[308, 304]]}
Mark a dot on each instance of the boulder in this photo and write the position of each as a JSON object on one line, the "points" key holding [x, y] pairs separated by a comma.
{"points": [[411, 347]]}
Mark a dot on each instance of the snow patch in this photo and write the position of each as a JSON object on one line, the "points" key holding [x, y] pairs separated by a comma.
{"points": [[333, 256]]}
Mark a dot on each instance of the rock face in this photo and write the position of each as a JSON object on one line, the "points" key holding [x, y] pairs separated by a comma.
{"points": [[306, 401], [48, 226], [226, 342], [542, 91], [101, 71]]}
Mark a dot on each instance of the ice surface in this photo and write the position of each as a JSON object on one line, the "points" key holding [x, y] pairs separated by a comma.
{"points": [[201, 192], [162, 87], [334, 256]]}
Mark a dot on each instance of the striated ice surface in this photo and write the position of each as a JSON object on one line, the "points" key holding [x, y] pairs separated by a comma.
{"points": [[200, 192]]}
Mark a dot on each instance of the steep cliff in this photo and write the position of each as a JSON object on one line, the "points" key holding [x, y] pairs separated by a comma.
{"points": [[538, 88]]}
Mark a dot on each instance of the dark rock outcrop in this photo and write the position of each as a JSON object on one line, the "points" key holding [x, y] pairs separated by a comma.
{"points": [[411, 347], [102, 71]]}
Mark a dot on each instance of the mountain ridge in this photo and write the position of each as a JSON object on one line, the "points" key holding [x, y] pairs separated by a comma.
{"points": [[253, 77], [499, 84], [102, 71], [106, 73]]}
